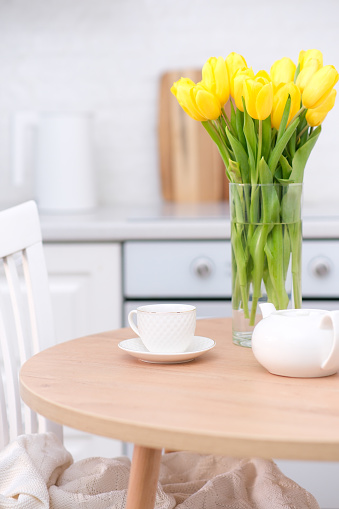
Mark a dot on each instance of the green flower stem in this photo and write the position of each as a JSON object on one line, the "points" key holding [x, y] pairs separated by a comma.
{"points": [[299, 112], [275, 259], [302, 132], [257, 251], [295, 237], [270, 291], [286, 250], [236, 294], [259, 142], [220, 128], [228, 123], [241, 263]]}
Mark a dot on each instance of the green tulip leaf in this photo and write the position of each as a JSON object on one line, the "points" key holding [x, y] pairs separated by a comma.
{"points": [[270, 199], [234, 171], [284, 118], [265, 175], [316, 132], [223, 150], [274, 250], [283, 181], [286, 168], [240, 156], [301, 156], [286, 250], [297, 71], [291, 204], [249, 132], [292, 144], [252, 165], [233, 118], [280, 145], [257, 247], [266, 138], [239, 117]]}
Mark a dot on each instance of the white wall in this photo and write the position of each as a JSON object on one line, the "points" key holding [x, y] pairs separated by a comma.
{"points": [[106, 56]]}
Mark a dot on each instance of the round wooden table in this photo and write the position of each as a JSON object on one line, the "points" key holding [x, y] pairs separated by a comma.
{"points": [[223, 402]]}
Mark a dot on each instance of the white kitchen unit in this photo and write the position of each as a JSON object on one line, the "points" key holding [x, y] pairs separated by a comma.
{"points": [[196, 268], [85, 284]]}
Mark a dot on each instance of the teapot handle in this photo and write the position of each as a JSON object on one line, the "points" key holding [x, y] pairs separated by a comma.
{"points": [[332, 360]]}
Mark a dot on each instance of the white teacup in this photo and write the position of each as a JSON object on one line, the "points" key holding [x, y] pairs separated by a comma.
{"points": [[164, 328]]}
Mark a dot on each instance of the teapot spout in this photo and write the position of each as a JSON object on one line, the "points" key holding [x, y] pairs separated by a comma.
{"points": [[267, 309]]}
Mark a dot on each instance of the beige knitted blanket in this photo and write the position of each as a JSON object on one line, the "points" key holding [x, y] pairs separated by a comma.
{"points": [[36, 472]]}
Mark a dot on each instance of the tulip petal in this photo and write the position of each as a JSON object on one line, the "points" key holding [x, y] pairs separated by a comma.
{"points": [[215, 79], [222, 89], [249, 95], [280, 97], [263, 74], [305, 56], [234, 62], [207, 104], [310, 68], [207, 74], [236, 85], [182, 91], [319, 86], [283, 70], [316, 116], [264, 101]]}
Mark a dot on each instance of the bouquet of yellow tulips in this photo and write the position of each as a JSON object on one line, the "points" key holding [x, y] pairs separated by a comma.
{"points": [[274, 123]]}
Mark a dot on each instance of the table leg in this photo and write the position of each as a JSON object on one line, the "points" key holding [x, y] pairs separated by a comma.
{"points": [[144, 476]]}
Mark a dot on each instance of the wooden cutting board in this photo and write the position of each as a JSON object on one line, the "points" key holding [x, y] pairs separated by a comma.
{"points": [[190, 164]]}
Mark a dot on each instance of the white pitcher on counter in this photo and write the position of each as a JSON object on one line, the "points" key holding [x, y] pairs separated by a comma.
{"points": [[60, 148]]}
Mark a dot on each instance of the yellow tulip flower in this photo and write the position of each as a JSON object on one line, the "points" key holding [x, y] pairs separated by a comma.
{"points": [[238, 86], [207, 103], [319, 87], [263, 74], [234, 62], [310, 54], [215, 79], [283, 71], [195, 100], [280, 96], [316, 116], [181, 89], [310, 67], [258, 94]]}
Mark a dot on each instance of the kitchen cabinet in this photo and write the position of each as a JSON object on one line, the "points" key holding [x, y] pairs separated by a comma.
{"points": [[85, 286]]}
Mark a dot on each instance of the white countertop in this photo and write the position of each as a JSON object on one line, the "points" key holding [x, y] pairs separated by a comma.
{"points": [[166, 221]]}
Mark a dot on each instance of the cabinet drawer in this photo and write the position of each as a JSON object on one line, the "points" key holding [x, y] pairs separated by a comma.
{"points": [[162, 269]]}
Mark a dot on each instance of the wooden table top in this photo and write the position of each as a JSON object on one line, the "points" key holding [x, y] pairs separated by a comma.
{"points": [[223, 402]]}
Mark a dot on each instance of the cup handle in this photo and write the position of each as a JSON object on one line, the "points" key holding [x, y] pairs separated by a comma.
{"points": [[331, 320], [131, 321]]}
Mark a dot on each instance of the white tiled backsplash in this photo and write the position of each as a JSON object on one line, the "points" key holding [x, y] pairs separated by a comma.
{"points": [[106, 57]]}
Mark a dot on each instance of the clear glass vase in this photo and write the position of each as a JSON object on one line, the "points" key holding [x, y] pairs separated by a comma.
{"points": [[266, 239]]}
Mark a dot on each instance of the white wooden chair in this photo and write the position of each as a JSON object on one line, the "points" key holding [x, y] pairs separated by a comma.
{"points": [[26, 321], [26, 327]]}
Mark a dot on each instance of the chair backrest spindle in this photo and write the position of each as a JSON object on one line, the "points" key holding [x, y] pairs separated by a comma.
{"points": [[26, 322]]}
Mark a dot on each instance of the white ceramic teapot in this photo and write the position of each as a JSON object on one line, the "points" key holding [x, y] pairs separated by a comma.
{"points": [[297, 342]]}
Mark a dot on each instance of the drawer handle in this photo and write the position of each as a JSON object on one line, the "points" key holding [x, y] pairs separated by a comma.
{"points": [[202, 267], [320, 267]]}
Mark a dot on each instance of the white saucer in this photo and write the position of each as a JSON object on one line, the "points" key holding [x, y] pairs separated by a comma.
{"points": [[136, 348]]}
